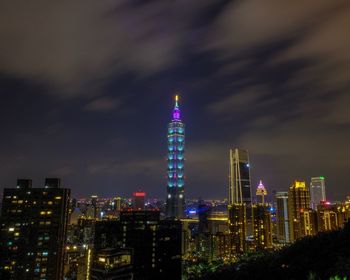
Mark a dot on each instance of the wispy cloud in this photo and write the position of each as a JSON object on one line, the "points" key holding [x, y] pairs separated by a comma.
{"points": [[102, 104]]}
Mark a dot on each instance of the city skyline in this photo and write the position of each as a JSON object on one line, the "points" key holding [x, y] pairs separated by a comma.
{"points": [[77, 106]]}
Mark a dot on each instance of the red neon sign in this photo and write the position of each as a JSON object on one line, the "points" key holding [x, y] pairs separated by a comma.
{"points": [[139, 194]]}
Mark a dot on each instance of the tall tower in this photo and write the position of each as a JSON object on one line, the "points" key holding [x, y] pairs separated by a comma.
{"points": [[317, 191], [240, 189], [261, 220], [282, 217], [240, 218], [175, 205]]}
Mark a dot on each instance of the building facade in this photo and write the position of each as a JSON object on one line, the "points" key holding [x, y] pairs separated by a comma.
{"points": [[240, 200], [237, 220], [33, 231], [155, 244], [262, 226], [317, 191], [175, 202], [240, 185], [298, 202], [282, 217]]}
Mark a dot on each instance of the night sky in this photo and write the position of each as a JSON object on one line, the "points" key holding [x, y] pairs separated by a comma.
{"points": [[87, 90]]}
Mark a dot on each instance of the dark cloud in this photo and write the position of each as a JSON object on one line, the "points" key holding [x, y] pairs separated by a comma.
{"points": [[75, 47]]}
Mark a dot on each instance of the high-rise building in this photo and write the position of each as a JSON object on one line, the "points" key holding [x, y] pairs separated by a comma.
{"points": [[261, 220], [238, 227], [139, 200], [308, 222], [282, 217], [261, 193], [155, 244], [328, 216], [240, 186], [240, 218], [262, 226], [94, 206], [33, 231], [298, 202], [317, 191], [175, 203]]}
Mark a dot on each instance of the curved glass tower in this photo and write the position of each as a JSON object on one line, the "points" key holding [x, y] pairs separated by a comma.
{"points": [[175, 205]]}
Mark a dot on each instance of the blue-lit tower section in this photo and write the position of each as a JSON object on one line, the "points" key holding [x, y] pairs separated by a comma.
{"points": [[175, 205]]}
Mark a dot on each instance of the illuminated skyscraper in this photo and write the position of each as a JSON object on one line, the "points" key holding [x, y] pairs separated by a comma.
{"points": [[240, 187], [240, 218], [262, 226], [261, 192], [238, 227], [298, 203], [317, 191], [175, 205], [282, 217], [328, 216], [262, 220]]}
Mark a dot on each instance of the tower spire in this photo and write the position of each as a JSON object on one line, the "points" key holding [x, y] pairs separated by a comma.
{"points": [[176, 101], [176, 111]]}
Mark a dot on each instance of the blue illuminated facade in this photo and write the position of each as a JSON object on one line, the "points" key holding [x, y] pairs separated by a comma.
{"points": [[175, 161]]}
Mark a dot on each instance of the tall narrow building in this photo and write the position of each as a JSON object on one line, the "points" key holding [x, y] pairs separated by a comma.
{"points": [[282, 217], [298, 203], [317, 191], [240, 215], [240, 187], [175, 205], [261, 220]]}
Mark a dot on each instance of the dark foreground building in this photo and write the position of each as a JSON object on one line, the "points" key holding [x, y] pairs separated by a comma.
{"points": [[112, 264], [155, 244], [33, 231]]}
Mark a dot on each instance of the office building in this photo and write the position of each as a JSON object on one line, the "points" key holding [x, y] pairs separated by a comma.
{"points": [[175, 202], [282, 217], [240, 186], [261, 220], [317, 191], [240, 218], [262, 226], [113, 264], [308, 222], [298, 201], [328, 216], [238, 227], [139, 200], [155, 244], [33, 231], [261, 193]]}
